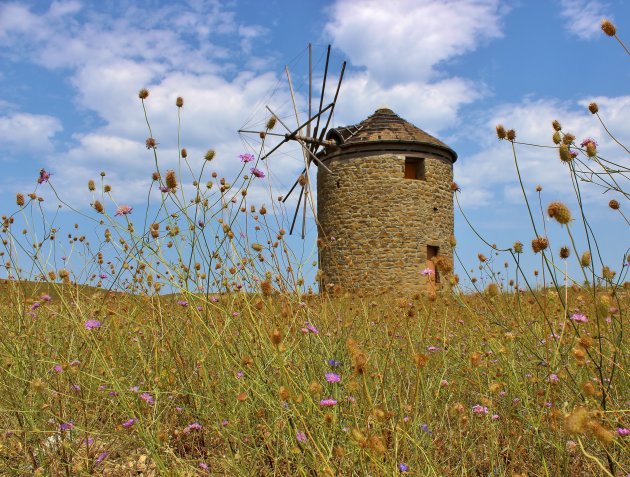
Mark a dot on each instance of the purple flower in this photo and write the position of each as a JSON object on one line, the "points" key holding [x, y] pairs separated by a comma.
{"points": [[128, 423], [35, 305], [100, 458], [311, 328], [88, 441], [579, 318], [333, 378], [92, 324], [333, 364], [403, 467], [300, 436], [76, 388], [433, 349], [587, 141], [623, 431], [204, 466], [573, 153], [146, 397], [444, 383], [123, 210], [214, 299], [195, 426], [495, 417], [165, 189], [257, 172], [427, 272], [43, 176], [46, 297], [424, 427], [479, 409], [112, 394], [66, 426], [247, 157], [134, 389], [57, 368], [553, 378], [102, 276], [239, 375], [182, 303], [102, 387], [330, 402]]}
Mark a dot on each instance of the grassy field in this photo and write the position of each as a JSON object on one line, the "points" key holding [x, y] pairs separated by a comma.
{"points": [[308, 385]]}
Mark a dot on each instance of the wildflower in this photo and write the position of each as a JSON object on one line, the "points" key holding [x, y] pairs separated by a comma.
{"points": [[564, 252], [171, 179], [579, 318], [179, 102], [92, 324], [146, 397], [76, 388], [556, 125], [19, 199], [123, 210], [585, 260], [501, 134], [66, 426], [257, 172], [128, 423], [403, 467], [183, 303], [591, 147], [427, 272], [613, 204], [553, 378], [112, 394], [247, 157], [88, 441], [204, 466], [518, 247], [35, 306], [311, 328], [424, 427], [100, 458], [565, 153], [479, 409], [444, 383], [560, 212], [57, 368], [329, 402], [511, 135], [143, 93], [209, 155], [195, 426], [495, 417], [593, 108], [333, 378], [151, 143], [300, 436], [608, 28], [165, 189], [43, 176], [332, 363], [98, 206], [214, 299], [433, 349], [102, 276], [539, 244], [623, 431]]}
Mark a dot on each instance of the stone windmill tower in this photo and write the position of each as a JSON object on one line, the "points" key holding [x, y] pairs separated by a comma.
{"points": [[384, 205]]}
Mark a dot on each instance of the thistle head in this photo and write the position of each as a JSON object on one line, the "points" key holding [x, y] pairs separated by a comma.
{"points": [[608, 28]]}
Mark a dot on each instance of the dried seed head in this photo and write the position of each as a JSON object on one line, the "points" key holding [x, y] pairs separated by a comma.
{"points": [[568, 139], [271, 122], [91, 185], [209, 155], [510, 135], [155, 176], [538, 188], [565, 252], [575, 423], [151, 143], [276, 337], [143, 93], [588, 388], [556, 138], [608, 28], [501, 134], [179, 102], [19, 199], [454, 187], [556, 125], [591, 149], [585, 260], [593, 108], [539, 244], [107, 188], [518, 247], [492, 289], [560, 212], [565, 153], [601, 433], [613, 204], [171, 179], [98, 206], [184, 153]]}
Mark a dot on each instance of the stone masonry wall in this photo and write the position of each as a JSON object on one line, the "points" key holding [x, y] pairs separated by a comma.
{"points": [[375, 225]]}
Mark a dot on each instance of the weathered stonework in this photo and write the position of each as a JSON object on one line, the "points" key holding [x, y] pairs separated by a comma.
{"points": [[374, 224]]}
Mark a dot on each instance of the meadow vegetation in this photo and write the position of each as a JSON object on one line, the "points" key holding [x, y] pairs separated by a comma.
{"points": [[184, 339]]}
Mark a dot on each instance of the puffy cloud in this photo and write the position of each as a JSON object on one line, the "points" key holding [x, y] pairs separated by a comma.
{"points": [[583, 17], [404, 40], [28, 133]]}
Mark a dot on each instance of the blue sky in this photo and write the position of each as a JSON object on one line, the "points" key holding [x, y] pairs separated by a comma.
{"points": [[70, 72]]}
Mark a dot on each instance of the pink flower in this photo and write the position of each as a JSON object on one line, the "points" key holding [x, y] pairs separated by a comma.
{"points": [[623, 431], [214, 299], [333, 378], [579, 318], [92, 324], [427, 272], [247, 157], [479, 409], [146, 397], [195, 426], [330, 402], [123, 210], [495, 417], [257, 172], [100, 458], [444, 383], [43, 176], [58, 368], [182, 303], [66, 426], [46, 297], [311, 328], [553, 378], [300, 436], [204, 466], [587, 141]]}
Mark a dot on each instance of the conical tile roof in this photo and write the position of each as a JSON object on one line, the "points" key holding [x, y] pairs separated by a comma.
{"points": [[384, 125]]}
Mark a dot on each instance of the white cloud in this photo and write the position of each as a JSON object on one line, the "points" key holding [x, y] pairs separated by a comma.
{"points": [[583, 17], [28, 133], [405, 40], [489, 176]]}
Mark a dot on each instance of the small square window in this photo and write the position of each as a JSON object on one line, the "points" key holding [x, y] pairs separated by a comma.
{"points": [[414, 168]]}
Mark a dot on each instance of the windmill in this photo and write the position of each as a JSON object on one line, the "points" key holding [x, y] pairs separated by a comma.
{"points": [[308, 134]]}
